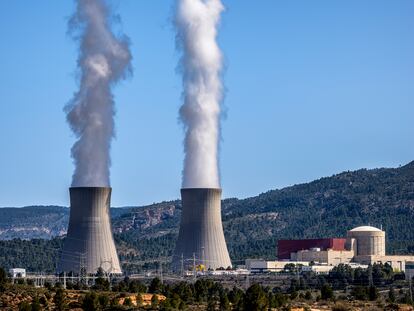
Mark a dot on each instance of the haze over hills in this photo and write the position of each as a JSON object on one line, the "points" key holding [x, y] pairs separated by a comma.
{"points": [[326, 207]]}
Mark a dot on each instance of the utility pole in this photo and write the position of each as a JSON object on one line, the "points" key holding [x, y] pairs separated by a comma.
{"points": [[64, 280], [80, 269], [182, 265], [162, 281], [83, 276], [194, 267], [247, 281], [370, 275], [202, 256]]}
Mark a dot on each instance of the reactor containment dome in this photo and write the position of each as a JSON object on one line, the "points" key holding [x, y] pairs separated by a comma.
{"points": [[370, 241]]}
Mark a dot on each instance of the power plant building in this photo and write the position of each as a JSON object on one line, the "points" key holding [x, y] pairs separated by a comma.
{"points": [[286, 247], [201, 238], [89, 243], [370, 240], [364, 245], [409, 270]]}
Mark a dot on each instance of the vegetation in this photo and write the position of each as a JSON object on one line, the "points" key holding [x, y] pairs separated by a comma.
{"points": [[60, 299], [34, 255], [326, 292], [327, 207], [205, 294], [3, 280]]}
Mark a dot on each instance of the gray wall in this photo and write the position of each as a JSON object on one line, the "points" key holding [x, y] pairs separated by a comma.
{"points": [[201, 230], [89, 241]]}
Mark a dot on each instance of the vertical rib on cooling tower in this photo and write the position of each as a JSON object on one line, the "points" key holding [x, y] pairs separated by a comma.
{"points": [[89, 242], [201, 231]]}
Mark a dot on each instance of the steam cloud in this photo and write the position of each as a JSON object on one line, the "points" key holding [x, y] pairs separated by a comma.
{"points": [[103, 60], [197, 24]]}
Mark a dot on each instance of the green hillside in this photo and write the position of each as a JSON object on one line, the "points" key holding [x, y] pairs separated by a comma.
{"points": [[327, 207]]}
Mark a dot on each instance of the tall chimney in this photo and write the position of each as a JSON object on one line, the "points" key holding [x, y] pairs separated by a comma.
{"points": [[89, 242], [201, 238]]}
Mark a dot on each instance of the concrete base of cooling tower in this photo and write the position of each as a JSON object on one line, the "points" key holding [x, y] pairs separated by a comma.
{"points": [[201, 234], [89, 244]]}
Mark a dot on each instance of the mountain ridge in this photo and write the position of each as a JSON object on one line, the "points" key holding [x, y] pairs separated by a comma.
{"points": [[326, 207]]}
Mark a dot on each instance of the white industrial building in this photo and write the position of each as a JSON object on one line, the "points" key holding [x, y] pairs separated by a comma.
{"points": [[409, 270], [364, 245], [17, 272]]}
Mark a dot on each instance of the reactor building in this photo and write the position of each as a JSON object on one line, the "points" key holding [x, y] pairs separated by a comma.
{"points": [[201, 238], [362, 246], [370, 241], [89, 243]]}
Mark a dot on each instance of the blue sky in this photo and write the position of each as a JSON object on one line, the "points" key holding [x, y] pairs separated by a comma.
{"points": [[313, 88]]}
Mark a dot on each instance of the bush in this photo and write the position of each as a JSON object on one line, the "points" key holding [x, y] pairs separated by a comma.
{"points": [[359, 293], [35, 304], [294, 295], [103, 300], [340, 307], [154, 301], [43, 301], [140, 300], [372, 293], [155, 286], [60, 300], [128, 302], [326, 292], [255, 298], [3, 279], [90, 302], [391, 295], [24, 306]]}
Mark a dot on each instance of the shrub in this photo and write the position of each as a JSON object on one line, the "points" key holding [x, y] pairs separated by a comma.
{"points": [[372, 293], [326, 292], [128, 302], [35, 304], [154, 301], [90, 302], [340, 307], [103, 300], [60, 300], [24, 306]]}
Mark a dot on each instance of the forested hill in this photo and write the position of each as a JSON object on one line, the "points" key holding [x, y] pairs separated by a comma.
{"points": [[331, 206], [33, 222], [327, 207]]}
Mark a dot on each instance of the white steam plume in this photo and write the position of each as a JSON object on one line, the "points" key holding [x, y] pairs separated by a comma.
{"points": [[197, 24], [103, 60]]}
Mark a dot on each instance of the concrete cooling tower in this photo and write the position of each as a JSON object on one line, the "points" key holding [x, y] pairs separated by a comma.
{"points": [[89, 243], [201, 234]]}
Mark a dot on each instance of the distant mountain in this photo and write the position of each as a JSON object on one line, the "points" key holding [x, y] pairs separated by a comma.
{"points": [[38, 222], [327, 207], [42, 222]]}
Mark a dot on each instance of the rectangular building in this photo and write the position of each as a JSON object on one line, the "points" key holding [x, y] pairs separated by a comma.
{"points": [[260, 265], [397, 262], [286, 247], [17, 272]]}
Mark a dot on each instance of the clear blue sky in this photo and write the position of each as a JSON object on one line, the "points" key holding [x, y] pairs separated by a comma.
{"points": [[313, 88]]}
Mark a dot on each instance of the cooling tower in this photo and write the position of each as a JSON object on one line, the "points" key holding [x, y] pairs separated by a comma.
{"points": [[201, 234], [89, 243]]}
